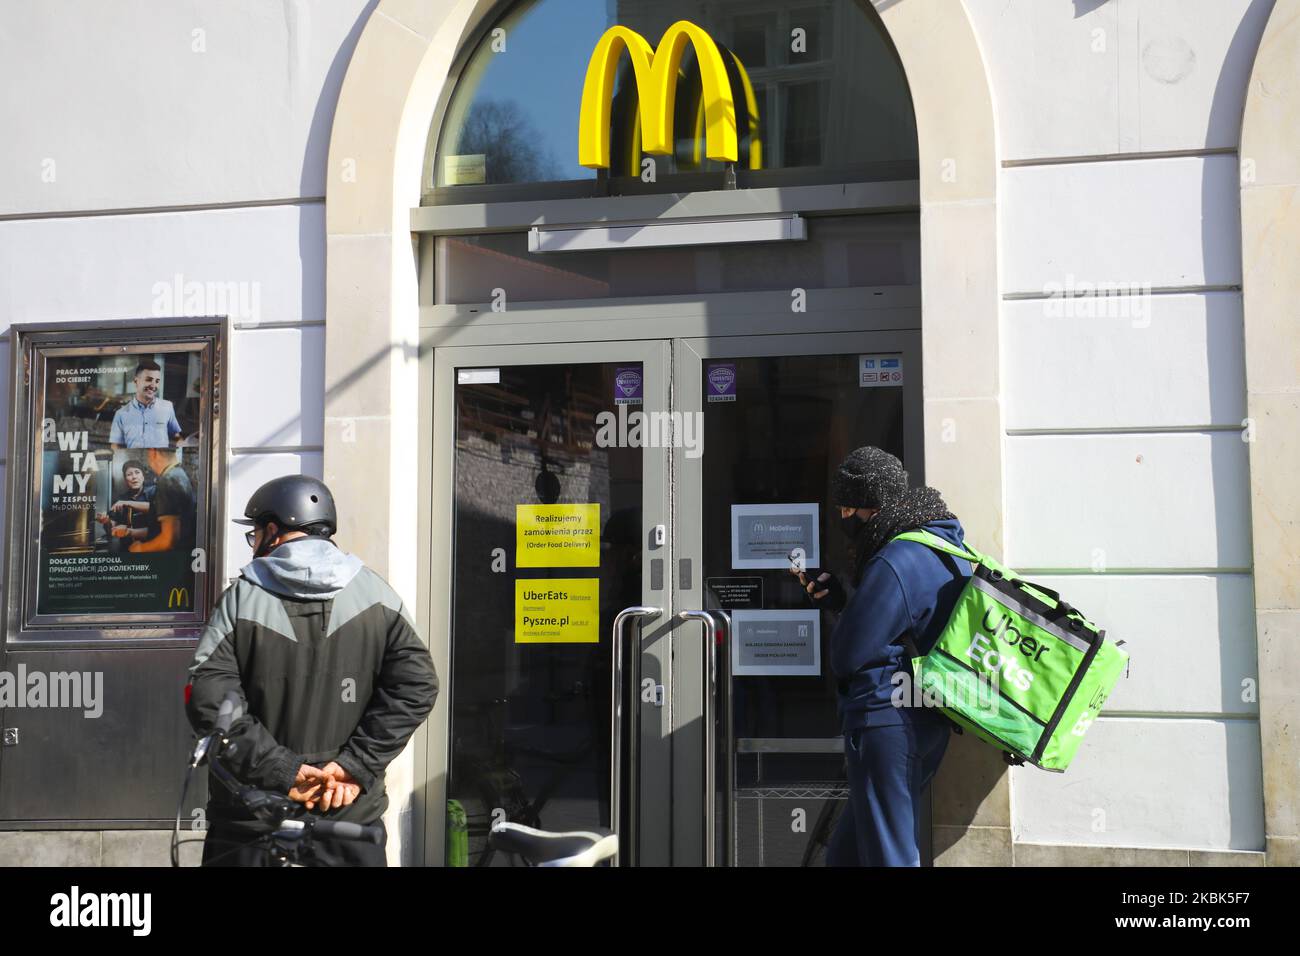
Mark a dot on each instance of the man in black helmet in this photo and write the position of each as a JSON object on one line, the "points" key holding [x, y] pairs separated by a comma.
{"points": [[334, 677], [903, 594]]}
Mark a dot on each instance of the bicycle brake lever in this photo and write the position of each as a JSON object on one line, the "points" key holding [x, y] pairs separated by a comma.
{"points": [[262, 803], [200, 751]]}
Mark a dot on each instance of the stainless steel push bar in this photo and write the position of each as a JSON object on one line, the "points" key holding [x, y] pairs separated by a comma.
{"points": [[716, 621], [626, 829], [728, 740]]}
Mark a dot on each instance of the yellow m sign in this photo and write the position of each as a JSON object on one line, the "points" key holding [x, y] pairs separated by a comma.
{"points": [[178, 597], [656, 72]]}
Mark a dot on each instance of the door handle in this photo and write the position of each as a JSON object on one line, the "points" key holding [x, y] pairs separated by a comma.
{"points": [[719, 622], [728, 739], [616, 689]]}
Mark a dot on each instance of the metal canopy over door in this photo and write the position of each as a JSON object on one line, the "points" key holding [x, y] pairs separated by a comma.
{"points": [[779, 413], [551, 506]]}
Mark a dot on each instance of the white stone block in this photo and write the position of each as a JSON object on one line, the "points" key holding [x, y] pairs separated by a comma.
{"points": [[258, 265], [1158, 223], [1138, 501], [1156, 782], [1190, 638], [1053, 67], [1193, 63], [277, 387], [1091, 78], [1107, 361], [148, 103]]}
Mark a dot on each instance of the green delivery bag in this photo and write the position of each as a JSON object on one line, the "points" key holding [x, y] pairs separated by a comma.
{"points": [[1016, 665]]}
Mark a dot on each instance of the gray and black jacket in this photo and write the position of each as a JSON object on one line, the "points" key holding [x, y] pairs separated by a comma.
{"points": [[329, 665]]}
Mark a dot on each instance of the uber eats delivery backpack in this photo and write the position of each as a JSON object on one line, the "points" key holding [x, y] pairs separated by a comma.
{"points": [[1016, 665]]}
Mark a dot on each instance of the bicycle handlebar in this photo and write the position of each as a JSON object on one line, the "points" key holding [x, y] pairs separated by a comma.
{"points": [[362, 833], [231, 710]]}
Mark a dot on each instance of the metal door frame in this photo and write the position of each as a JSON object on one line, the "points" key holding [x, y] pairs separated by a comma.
{"points": [[437, 493], [670, 326], [687, 520]]}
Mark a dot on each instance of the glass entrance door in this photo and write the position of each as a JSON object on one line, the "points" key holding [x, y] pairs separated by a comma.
{"points": [[577, 481], [551, 526], [778, 414]]}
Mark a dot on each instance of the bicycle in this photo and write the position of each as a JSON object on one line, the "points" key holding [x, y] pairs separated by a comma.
{"points": [[491, 785], [544, 848], [285, 832]]}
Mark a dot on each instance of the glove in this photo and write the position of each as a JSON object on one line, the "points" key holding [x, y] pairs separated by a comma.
{"points": [[835, 598]]}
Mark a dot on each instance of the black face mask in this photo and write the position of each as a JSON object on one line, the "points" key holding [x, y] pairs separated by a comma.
{"points": [[852, 526]]}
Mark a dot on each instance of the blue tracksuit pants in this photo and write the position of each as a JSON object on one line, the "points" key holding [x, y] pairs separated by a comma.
{"points": [[889, 767]]}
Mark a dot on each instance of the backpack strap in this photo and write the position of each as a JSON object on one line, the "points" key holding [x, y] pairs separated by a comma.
{"points": [[1049, 596], [931, 540]]}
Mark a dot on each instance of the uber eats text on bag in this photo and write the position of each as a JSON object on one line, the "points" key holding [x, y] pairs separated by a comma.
{"points": [[1015, 665]]}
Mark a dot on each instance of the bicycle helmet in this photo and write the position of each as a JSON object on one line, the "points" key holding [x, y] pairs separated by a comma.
{"points": [[293, 502]]}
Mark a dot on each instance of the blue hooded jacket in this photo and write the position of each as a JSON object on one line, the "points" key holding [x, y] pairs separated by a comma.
{"points": [[907, 592]]}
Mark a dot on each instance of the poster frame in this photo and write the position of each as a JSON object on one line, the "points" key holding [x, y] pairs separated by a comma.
{"points": [[28, 342]]}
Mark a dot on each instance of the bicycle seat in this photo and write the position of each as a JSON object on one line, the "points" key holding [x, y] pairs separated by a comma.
{"points": [[543, 848]]}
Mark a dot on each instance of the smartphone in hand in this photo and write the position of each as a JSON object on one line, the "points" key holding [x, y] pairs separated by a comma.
{"points": [[796, 558]]}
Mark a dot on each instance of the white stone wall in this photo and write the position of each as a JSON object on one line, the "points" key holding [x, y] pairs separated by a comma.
{"points": [[154, 141], [1127, 484], [146, 140], [150, 139]]}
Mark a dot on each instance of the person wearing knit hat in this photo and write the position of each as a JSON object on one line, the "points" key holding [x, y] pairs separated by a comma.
{"points": [[902, 596], [868, 478]]}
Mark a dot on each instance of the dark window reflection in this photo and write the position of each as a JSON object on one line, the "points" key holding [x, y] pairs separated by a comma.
{"points": [[530, 727], [802, 139], [793, 419]]}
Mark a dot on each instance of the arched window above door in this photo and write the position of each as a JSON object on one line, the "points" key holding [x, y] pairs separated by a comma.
{"points": [[818, 95]]}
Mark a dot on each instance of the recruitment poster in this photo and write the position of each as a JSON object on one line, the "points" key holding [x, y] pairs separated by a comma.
{"points": [[118, 454]]}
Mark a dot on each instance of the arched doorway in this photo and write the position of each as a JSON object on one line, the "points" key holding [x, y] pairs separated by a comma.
{"points": [[1270, 181], [682, 316]]}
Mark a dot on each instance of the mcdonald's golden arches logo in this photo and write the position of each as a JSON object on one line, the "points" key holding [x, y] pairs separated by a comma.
{"points": [[178, 597], [656, 72]]}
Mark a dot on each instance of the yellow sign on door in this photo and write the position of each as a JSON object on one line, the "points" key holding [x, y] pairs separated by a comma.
{"points": [[557, 611], [557, 536]]}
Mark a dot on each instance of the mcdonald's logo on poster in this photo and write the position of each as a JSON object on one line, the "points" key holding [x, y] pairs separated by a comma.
{"points": [[656, 71], [178, 597]]}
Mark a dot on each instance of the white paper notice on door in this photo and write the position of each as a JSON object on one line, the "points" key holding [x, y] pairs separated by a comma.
{"points": [[776, 643], [478, 376], [880, 371], [762, 536]]}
